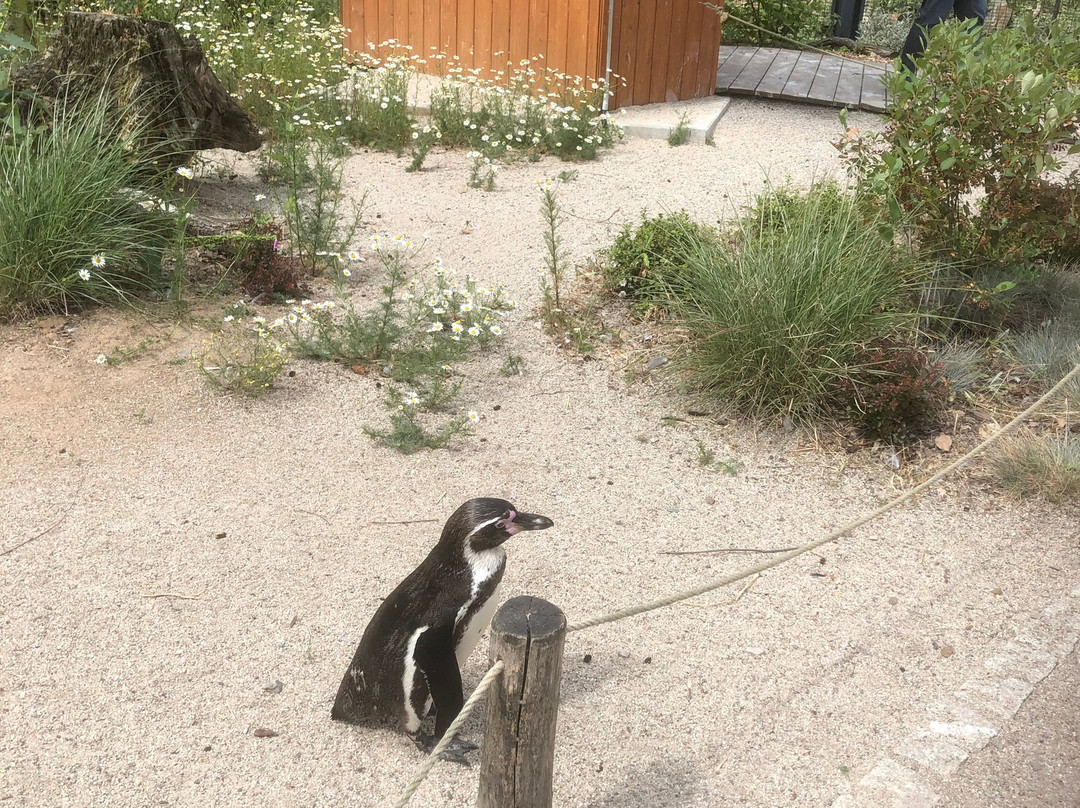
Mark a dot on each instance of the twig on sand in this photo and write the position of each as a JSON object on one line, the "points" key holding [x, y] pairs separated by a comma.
{"points": [[53, 526], [313, 513], [403, 522], [181, 595], [726, 550]]}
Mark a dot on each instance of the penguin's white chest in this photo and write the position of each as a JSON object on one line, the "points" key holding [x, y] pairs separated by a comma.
{"points": [[482, 565]]}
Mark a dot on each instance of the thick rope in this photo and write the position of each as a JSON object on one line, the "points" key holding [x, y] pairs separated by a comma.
{"points": [[448, 736], [780, 559]]}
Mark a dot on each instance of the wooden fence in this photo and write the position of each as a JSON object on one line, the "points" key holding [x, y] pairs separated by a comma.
{"points": [[664, 50]]}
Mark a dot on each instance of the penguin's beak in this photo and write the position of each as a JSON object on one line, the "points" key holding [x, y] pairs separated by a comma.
{"points": [[530, 521]]}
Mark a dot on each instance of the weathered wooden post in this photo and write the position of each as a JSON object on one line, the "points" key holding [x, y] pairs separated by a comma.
{"points": [[518, 755]]}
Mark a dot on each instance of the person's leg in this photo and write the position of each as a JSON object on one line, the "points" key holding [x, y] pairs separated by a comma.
{"points": [[931, 13], [970, 10]]}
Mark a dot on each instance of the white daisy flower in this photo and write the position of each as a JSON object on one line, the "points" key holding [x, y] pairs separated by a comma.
{"points": [[495, 330], [473, 416], [436, 326], [185, 172], [98, 261], [101, 359], [84, 274]]}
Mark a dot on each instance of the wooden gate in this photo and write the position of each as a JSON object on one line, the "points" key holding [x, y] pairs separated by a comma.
{"points": [[662, 49]]}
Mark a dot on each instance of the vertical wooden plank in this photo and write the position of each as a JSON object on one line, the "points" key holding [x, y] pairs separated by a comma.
{"points": [[416, 28], [661, 46], [557, 48], [482, 29], [708, 57], [576, 28], [673, 71], [646, 52], [596, 38], [623, 58], [448, 29], [691, 47], [849, 88], [400, 17], [430, 45], [519, 33], [500, 35], [538, 30], [466, 33]]}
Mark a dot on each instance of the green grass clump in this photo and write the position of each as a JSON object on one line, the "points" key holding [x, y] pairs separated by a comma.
{"points": [[643, 264], [1047, 467], [778, 320], [71, 231]]}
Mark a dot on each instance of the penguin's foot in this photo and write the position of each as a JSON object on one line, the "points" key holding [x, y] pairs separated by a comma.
{"points": [[454, 752]]}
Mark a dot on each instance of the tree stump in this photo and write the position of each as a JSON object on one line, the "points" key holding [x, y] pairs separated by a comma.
{"points": [[160, 83]]}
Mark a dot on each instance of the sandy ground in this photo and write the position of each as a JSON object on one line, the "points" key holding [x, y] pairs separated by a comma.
{"points": [[262, 514]]}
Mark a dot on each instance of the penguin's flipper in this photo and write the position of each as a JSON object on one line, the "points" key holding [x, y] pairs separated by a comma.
{"points": [[435, 657]]}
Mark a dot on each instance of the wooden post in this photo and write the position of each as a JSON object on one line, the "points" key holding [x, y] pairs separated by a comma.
{"points": [[518, 755]]}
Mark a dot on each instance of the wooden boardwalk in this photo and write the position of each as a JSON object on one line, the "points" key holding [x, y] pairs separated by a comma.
{"points": [[791, 75]]}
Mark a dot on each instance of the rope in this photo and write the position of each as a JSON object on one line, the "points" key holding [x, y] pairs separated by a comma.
{"points": [[780, 559], [724, 15], [448, 736]]}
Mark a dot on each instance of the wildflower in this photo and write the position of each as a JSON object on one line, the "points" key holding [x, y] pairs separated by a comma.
{"points": [[101, 359], [84, 274], [185, 172], [457, 327], [346, 271], [436, 326], [495, 330], [473, 416], [412, 398], [474, 331], [467, 306], [229, 318], [260, 197], [292, 318], [98, 261], [278, 323], [354, 255]]}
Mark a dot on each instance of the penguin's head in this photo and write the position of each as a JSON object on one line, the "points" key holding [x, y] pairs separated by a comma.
{"points": [[485, 523]]}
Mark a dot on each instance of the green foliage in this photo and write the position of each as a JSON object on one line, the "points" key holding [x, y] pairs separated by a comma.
{"points": [[1041, 466], [71, 231], [883, 29], [981, 115], [244, 357], [310, 170], [681, 133], [801, 20], [778, 321], [254, 255], [483, 172], [644, 263], [1049, 352]]}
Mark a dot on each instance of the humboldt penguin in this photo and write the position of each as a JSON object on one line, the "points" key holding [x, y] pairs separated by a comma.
{"points": [[410, 656]]}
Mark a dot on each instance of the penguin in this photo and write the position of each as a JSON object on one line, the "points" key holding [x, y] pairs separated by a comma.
{"points": [[411, 653]]}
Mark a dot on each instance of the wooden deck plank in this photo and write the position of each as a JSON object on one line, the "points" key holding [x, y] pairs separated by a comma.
{"points": [[772, 84], [823, 87], [873, 90], [802, 76], [751, 75], [849, 88], [732, 67]]}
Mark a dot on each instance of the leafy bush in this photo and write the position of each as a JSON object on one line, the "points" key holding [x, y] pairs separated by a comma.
{"points": [[260, 266], [644, 263], [980, 116], [778, 321], [71, 232], [897, 393], [801, 20]]}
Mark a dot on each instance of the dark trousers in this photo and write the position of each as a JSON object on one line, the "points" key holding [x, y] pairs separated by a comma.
{"points": [[930, 14]]}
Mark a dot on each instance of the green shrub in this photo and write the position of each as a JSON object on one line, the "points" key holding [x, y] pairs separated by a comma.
{"points": [[71, 231], [1049, 352], [981, 115], [801, 20], [642, 264], [778, 321]]}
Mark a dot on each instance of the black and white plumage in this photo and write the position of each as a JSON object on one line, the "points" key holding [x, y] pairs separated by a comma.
{"points": [[411, 653]]}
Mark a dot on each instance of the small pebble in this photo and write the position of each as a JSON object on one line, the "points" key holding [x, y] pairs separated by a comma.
{"points": [[264, 732], [656, 362], [587, 659], [755, 651], [624, 654], [946, 651], [273, 686], [893, 600]]}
